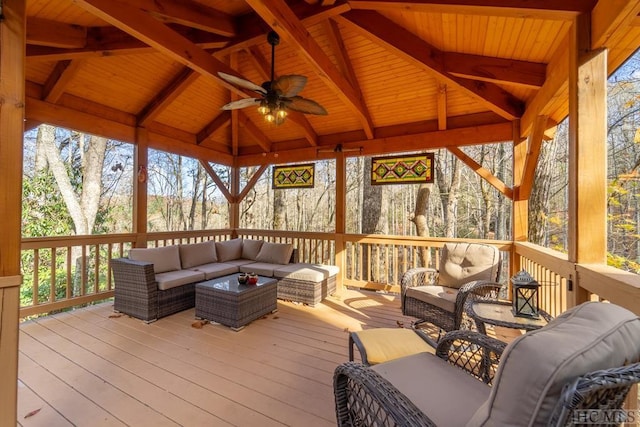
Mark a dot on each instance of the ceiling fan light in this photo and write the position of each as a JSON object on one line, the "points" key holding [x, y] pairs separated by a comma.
{"points": [[270, 117], [281, 113], [263, 108]]}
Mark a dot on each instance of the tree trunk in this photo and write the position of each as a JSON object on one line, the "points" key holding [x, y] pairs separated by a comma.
{"points": [[279, 210], [448, 172], [371, 213], [419, 219]]}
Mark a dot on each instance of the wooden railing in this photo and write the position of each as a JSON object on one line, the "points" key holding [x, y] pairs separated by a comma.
{"points": [[68, 271]]}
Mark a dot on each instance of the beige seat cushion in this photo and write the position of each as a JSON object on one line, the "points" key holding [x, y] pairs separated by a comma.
{"points": [[229, 250], [534, 368], [275, 253], [195, 254], [260, 268], [464, 262], [172, 279], [440, 296], [448, 395], [385, 344], [251, 248], [306, 272], [164, 259], [216, 269], [239, 262]]}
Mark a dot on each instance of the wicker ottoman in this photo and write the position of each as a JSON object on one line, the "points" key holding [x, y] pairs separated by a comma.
{"points": [[224, 300], [306, 283]]}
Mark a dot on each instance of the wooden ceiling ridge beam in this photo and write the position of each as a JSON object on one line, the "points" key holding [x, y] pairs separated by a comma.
{"points": [[284, 21], [411, 47], [59, 79], [221, 185], [537, 9], [167, 95], [483, 172], [45, 32], [191, 14], [146, 28], [534, 147], [262, 66]]}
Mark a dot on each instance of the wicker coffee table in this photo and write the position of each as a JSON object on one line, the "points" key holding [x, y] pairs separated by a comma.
{"points": [[224, 300]]}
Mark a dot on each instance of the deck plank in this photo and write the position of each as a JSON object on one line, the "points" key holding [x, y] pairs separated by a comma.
{"points": [[88, 364]]}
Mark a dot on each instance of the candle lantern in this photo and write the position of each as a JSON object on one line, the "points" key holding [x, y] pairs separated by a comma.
{"points": [[525, 295]]}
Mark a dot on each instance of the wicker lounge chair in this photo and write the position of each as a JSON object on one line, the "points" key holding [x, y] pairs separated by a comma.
{"points": [[592, 366], [438, 296]]}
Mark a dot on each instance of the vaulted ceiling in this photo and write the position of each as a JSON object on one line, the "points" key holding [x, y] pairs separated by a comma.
{"points": [[393, 75]]}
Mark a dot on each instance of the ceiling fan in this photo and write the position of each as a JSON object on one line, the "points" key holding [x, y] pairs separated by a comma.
{"points": [[277, 95]]}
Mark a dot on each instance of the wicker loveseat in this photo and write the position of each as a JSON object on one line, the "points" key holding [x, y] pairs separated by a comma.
{"points": [[156, 282], [586, 358]]}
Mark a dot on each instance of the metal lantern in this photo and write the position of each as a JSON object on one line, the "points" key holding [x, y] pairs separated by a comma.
{"points": [[525, 295]]}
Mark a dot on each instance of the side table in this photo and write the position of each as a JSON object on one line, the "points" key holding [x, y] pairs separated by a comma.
{"points": [[499, 313]]}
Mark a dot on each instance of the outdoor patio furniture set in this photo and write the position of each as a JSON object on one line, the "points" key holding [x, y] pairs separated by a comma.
{"points": [[156, 282], [576, 369]]}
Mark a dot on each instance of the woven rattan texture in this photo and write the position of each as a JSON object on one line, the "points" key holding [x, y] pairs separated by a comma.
{"points": [[304, 291]]}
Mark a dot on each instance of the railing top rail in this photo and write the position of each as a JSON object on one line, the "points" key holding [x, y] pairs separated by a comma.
{"points": [[64, 241]]}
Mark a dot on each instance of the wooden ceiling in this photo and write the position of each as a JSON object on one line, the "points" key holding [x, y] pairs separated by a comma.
{"points": [[394, 75]]}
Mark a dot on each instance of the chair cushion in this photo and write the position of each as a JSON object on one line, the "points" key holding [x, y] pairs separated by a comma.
{"points": [[250, 248], [384, 344], [239, 262], [301, 271], [464, 262], [442, 297], [197, 254], [260, 268], [534, 367], [166, 258], [216, 269], [229, 250], [172, 279], [275, 253], [448, 395]]}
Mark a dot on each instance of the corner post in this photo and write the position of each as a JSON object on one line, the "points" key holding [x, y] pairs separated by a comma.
{"points": [[140, 186]]}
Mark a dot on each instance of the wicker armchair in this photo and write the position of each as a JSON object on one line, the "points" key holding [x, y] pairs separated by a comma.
{"points": [[438, 296], [523, 383]]}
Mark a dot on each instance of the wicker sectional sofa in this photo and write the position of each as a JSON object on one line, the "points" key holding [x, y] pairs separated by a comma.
{"points": [[156, 282]]}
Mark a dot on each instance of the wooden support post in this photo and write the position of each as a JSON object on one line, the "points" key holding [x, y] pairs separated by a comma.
{"points": [[587, 153], [140, 185], [341, 202], [234, 206], [520, 223], [12, 78]]}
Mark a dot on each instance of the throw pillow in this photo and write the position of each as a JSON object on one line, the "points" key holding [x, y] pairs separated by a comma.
{"points": [[275, 253], [229, 250]]}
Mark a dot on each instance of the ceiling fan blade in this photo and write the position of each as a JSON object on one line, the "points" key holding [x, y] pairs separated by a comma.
{"points": [[304, 105], [242, 82], [289, 85], [241, 103]]}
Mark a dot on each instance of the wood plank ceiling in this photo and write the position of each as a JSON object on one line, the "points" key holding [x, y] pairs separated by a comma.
{"points": [[393, 75]]}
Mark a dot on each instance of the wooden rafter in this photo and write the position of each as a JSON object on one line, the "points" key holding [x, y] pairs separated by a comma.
{"points": [[542, 9], [340, 51], [167, 95], [58, 80], [413, 48], [190, 14], [282, 19], [254, 131], [153, 32], [219, 121], [610, 17], [44, 32], [252, 182], [482, 172], [533, 154]]}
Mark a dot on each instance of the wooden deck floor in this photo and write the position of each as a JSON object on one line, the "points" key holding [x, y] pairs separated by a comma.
{"points": [[88, 368]]}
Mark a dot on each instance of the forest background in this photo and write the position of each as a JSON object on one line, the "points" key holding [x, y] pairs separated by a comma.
{"points": [[79, 184]]}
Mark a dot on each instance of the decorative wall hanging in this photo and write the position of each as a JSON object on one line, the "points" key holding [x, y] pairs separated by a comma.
{"points": [[293, 176], [415, 169]]}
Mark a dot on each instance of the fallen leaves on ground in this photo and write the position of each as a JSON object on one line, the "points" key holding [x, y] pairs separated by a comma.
{"points": [[400, 324], [115, 315], [198, 324], [32, 413]]}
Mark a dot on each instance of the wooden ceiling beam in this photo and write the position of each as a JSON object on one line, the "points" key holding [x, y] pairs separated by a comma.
{"points": [[284, 21], [146, 28], [611, 17], [496, 70], [59, 79], [166, 96], [535, 9], [340, 52], [190, 14], [44, 32], [482, 172], [221, 184], [110, 41], [411, 47], [262, 66], [210, 128]]}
